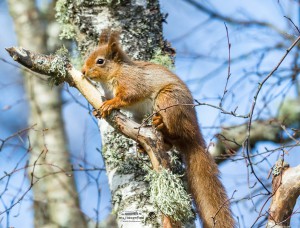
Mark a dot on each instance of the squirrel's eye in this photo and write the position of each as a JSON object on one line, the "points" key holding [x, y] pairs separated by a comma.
{"points": [[100, 61]]}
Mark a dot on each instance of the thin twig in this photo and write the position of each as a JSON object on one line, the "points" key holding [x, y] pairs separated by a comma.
{"points": [[254, 105], [229, 61], [297, 28]]}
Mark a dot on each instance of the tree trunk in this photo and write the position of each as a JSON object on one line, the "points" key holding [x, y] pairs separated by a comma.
{"points": [[55, 197], [140, 23]]}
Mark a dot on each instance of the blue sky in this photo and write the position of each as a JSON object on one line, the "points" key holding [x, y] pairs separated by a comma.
{"points": [[192, 35]]}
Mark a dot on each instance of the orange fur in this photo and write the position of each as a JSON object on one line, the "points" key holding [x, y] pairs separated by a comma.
{"points": [[143, 88]]}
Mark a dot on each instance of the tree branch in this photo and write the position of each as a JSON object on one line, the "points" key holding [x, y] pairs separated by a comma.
{"points": [[231, 139], [286, 190]]}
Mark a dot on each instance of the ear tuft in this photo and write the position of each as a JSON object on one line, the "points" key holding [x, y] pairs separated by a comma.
{"points": [[104, 37], [114, 37]]}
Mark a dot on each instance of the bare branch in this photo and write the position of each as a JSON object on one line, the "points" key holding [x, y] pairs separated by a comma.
{"points": [[232, 20], [229, 61]]}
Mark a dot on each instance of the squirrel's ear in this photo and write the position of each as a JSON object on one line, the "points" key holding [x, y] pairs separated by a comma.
{"points": [[114, 38], [114, 50], [113, 46], [104, 37]]}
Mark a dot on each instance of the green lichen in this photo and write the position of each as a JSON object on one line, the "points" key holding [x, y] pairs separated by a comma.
{"points": [[114, 153], [58, 67], [63, 14], [166, 189], [63, 52], [168, 194], [162, 59], [279, 166], [67, 32], [176, 164], [132, 165], [120, 153]]}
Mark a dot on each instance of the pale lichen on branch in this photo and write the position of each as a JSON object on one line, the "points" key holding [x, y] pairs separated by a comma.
{"points": [[51, 65]]}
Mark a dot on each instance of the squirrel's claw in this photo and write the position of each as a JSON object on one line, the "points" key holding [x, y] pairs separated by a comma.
{"points": [[97, 113], [106, 108]]}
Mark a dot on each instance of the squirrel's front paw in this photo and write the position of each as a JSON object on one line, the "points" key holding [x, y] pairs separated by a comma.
{"points": [[106, 108], [97, 113]]}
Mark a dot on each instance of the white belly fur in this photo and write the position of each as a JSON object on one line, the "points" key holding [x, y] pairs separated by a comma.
{"points": [[107, 90], [141, 109]]}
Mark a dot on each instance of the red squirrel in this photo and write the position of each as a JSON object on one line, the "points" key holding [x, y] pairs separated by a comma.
{"points": [[143, 88]]}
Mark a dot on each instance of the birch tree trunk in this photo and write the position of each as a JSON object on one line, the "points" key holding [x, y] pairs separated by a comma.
{"points": [[140, 23], [55, 197]]}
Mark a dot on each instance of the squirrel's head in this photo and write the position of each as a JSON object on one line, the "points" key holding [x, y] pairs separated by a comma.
{"points": [[104, 62]]}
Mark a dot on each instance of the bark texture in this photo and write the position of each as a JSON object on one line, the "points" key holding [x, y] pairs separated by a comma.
{"points": [[55, 197]]}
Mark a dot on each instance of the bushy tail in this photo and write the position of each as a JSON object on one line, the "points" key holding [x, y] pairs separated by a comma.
{"points": [[206, 188]]}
